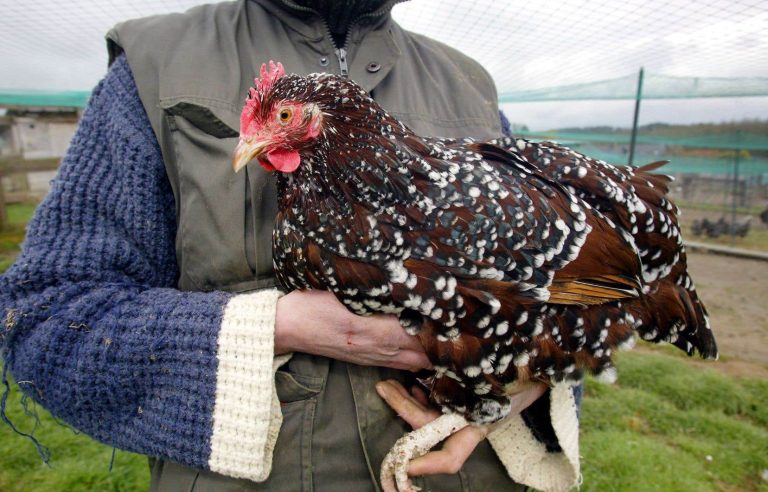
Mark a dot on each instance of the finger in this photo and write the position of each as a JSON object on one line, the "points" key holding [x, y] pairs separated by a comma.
{"points": [[409, 409], [456, 449], [405, 406], [388, 484], [410, 360], [397, 386], [389, 330], [406, 341], [420, 395], [396, 334], [409, 342], [522, 400]]}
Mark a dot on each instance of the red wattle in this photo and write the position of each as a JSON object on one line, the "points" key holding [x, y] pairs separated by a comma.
{"points": [[285, 161], [266, 165]]}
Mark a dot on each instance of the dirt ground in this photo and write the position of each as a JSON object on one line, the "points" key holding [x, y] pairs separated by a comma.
{"points": [[735, 292]]}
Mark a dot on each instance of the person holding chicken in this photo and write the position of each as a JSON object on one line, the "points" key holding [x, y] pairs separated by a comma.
{"points": [[186, 351]]}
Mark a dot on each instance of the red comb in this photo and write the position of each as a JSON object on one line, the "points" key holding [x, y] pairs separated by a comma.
{"points": [[260, 86], [268, 78]]}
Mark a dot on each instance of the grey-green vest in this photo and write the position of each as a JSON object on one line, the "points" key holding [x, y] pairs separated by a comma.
{"points": [[193, 71]]}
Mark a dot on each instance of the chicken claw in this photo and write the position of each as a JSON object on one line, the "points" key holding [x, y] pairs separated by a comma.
{"points": [[394, 468]]}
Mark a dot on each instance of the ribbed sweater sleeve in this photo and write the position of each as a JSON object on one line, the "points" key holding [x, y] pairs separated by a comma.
{"points": [[95, 330]]}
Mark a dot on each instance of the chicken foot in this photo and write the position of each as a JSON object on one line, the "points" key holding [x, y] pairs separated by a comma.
{"points": [[394, 468]]}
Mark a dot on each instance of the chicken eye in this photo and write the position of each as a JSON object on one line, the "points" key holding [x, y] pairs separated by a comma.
{"points": [[284, 116]]}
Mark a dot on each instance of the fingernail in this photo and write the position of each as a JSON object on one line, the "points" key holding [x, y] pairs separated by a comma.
{"points": [[381, 389]]}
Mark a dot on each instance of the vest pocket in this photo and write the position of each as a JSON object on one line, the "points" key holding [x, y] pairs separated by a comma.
{"points": [[292, 458], [298, 385], [211, 197], [295, 387]]}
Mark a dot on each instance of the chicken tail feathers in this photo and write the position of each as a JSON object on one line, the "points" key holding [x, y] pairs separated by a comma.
{"points": [[672, 312], [652, 166], [669, 308]]}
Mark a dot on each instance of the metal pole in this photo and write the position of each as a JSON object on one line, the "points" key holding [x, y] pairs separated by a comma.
{"points": [[734, 203], [3, 211], [638, 97]]}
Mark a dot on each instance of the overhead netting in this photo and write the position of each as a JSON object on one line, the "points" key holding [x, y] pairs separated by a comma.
{"points": [[709, 149], [714, 165], [655, 86], [719, 143], [711, 154], [725, 141], [548, 51]]}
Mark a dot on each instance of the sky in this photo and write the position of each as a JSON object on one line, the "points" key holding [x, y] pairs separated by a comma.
{"points": [[59, 45]]}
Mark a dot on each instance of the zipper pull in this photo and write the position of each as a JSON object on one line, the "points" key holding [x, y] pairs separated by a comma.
{"points": [[341, 54]]}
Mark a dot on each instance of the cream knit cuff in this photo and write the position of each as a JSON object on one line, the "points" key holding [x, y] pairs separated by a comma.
{"points": [[527, 460], [246, 415]]}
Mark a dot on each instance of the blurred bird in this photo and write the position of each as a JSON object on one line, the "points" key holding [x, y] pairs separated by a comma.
{"points": [[511, 261]]}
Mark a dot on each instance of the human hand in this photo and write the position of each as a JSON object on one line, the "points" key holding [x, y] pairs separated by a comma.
{"points": [[315, 322], [414, 409]]}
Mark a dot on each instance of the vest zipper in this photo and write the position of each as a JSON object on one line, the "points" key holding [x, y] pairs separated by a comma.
{"points": [[341, 52]]}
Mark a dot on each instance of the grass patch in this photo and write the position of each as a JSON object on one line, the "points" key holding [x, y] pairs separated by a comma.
{"points": [[669, 426], [13, 233], [20, 213], [714, 207], [78, 463]]}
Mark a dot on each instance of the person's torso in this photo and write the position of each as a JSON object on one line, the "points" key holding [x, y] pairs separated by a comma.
{"points": [[193, 71]]}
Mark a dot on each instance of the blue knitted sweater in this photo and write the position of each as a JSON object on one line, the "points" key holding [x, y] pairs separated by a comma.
{"points": [[93, 325]]}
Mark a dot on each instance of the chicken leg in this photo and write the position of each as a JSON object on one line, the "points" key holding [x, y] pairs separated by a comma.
{"points": [[394, 468]]}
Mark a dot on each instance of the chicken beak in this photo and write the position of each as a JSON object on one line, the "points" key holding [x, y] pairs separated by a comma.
{"points": [[246, 151]]}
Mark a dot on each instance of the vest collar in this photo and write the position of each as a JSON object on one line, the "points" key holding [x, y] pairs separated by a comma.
{"points": [[310, 24], [370, 41]]}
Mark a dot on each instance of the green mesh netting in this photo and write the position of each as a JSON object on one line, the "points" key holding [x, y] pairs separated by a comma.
{"points": [[681, 152], [680, 164], [54, 99], [654, 87], [613, 147], [725, 141], [719, 143]]}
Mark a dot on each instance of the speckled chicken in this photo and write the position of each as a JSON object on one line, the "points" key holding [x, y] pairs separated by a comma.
{"points": [[511, 261]]}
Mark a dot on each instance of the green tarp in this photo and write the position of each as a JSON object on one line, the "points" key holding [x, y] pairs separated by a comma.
{"points": [[654, 87], [56, 99], [725, 141]]}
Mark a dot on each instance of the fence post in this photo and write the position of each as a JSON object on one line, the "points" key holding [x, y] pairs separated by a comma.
{"points": [[735, 187], [3, 212], [638, 97]]}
